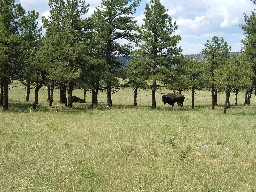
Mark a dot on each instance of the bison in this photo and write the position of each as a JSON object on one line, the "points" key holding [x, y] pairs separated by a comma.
{"points": [[77, 99], [172, 98]]}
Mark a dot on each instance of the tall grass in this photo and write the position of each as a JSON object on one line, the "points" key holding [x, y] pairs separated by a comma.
{"points": [[127, 148]]}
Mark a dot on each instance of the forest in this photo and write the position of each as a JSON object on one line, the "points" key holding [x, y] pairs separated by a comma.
{"points": [[71, 51]]}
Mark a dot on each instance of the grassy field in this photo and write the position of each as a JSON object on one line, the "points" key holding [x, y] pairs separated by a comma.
{"points": [[127, 148]]}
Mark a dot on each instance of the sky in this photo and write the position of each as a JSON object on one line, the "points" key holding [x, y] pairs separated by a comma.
{"points": [[197, 20]]}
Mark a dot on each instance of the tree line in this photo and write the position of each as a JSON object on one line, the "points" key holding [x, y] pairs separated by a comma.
{"points": [[75, 51]]}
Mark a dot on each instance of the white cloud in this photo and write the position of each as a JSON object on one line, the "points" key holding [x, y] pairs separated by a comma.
{"points": [[174, 10], [203, 19], [90, 11], [46, 14], [187, 25], [94, 3], [139, 19], [37, 5], [191, 47], [198, 20]]}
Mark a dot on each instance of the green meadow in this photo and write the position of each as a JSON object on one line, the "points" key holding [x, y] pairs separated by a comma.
{"points": [[127, 148]]}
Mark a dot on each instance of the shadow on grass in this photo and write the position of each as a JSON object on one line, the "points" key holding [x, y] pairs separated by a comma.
{"points": [[242, 110], [24, 107]]}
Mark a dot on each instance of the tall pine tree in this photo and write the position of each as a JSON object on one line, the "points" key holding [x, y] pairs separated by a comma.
{"points": [[216, 53], [63, 46], [158, 45], [114, 22], [235, 74], [191, 76], [10, 46], [250, 47], [31, 38]]}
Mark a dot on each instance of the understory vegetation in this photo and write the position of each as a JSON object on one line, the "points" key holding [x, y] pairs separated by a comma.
{"points": [[127, 148]]}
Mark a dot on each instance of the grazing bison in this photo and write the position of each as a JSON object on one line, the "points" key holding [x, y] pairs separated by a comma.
{"points": [[76, 99], [172, 98]]}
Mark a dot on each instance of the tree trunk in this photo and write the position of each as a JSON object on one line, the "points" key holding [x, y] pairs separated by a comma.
{"points": [[85, 92], [227, 102], [63, 93], [247, 99], [135, 95], [5, 84], [94, 97], [51, 86], [213, 97], [193, 97], [28, 90], [36, 94], [154, 95], [2, 92], [38, 87], [109, 96], [236, 94], [70, 91], [48, 90], [109, 60]]}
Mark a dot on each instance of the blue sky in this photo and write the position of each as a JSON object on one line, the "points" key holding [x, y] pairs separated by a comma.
{"points": [[198, 20]]}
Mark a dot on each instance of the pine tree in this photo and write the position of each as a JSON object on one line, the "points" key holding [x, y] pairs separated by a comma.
{"points": [[250, 47], [62, 47], [135, 75], [31, 39], [10, 45], [216, 53], [114, 22], [191, 76], [235, 74], [94, 68], [158, 45]]}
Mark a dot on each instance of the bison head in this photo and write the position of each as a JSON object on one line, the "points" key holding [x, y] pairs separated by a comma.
{"points": [[165, 99]]}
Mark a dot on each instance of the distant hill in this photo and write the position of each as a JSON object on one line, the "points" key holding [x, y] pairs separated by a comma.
{"points": [[200, 57], [124, 60]]}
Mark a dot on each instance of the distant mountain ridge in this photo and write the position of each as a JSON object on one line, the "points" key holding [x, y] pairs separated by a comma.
{"points": [[200, 57]]}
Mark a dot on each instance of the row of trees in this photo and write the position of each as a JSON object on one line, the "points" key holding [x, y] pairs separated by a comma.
{"points": [[80, 52], [74, 51]]}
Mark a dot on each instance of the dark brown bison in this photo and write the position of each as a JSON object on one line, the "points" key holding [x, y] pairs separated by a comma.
{"points": [[172, 98], [76, 99]]}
